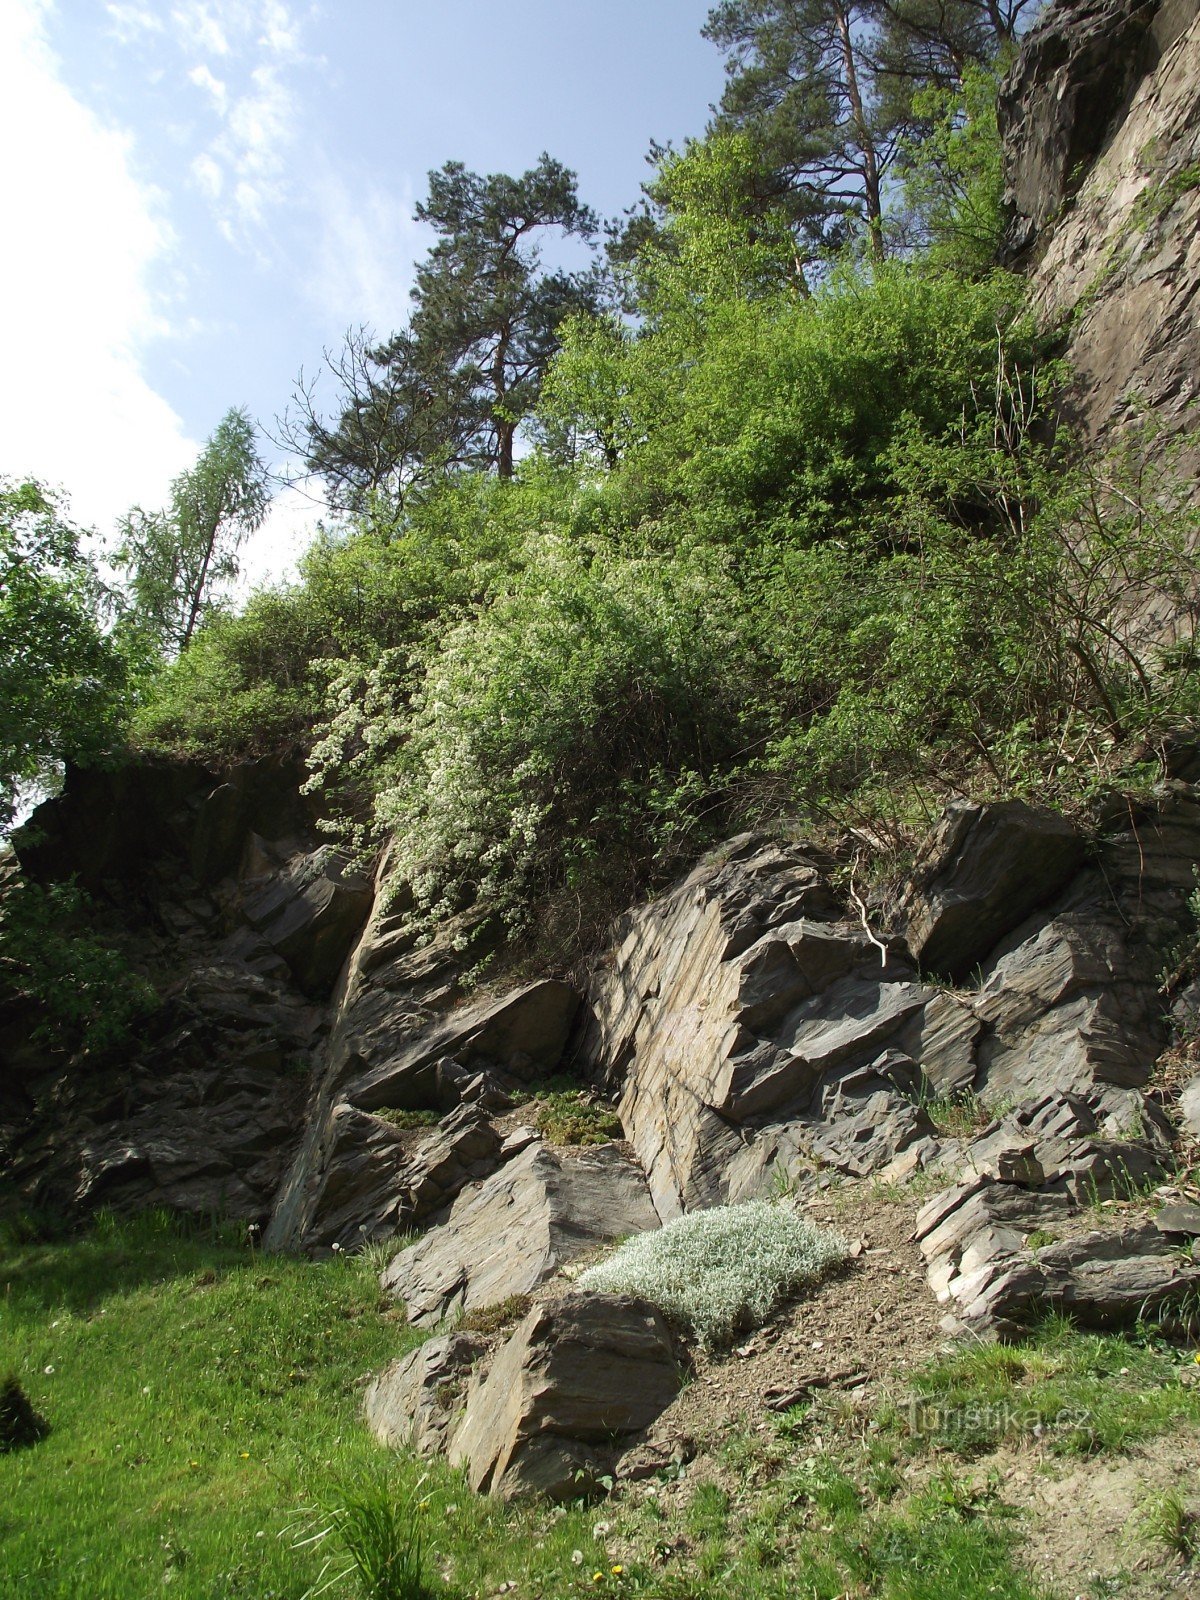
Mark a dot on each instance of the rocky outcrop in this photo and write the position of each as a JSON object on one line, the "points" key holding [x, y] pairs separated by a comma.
{"points": [[415, 1403], [1102, 159], [403, 1039], [379, 1180], [542, 1210], [747, 1042], [562, 1396], [984, 869]]}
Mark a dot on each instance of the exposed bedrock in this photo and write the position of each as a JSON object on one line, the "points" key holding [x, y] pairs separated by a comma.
{"points": [[1102, 159]]}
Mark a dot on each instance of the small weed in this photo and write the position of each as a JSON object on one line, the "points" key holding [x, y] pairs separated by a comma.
{"points": [[378, 1254], [490, 1319], [381, 1533], [963, 1114], [1166, 1520]]}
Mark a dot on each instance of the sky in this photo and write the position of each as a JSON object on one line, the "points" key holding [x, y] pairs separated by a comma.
{"points": [[200, 196]]}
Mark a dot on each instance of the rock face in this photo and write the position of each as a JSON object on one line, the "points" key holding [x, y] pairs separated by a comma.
{"points": [[725, 1007], [750, 1030], [402, 1040], [415, 1403], [379, 1180], [1102, 155], [539, 1212], [576, 1378], [983, 871]]}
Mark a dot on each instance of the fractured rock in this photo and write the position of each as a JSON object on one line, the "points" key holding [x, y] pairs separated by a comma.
{"points": [[415, 1403], [377, 1180], [522, 1033], [575, 1380], [1189, 1108], [542, 1210], [311, 915], [981, 873]]}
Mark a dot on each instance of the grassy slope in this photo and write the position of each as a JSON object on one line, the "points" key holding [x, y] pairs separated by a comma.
{"points": [[204, 1399]]}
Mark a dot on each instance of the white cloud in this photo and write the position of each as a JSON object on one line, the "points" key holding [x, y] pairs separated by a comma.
{"points": [[202, 26], [203, 77], [244, 171], [208, 176], [76, 307], [270, 555], [365, 235], [130, 21]]}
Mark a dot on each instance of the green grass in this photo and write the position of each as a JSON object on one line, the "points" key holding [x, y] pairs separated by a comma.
{"points": [[1078, 1393], [204, 1404]]}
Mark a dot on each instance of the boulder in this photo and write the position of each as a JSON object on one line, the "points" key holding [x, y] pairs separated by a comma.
{"points": [[981, 873], [576, 1379], [1189, 1109], [1183, 1220], [415, 1403], [542, 1210], [722, 1011], [1106, 1278]]}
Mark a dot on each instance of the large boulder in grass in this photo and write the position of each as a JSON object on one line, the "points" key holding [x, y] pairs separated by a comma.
{"points": [[540, 1211], [415, 1403], [985, 868], [575, 1380]]}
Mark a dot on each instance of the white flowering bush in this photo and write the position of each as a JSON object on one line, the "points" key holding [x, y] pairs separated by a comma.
{"points": [[717, 1273], [574, 729]]}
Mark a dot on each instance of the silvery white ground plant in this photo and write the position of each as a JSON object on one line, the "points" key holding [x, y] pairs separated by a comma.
{"points": [[717, 1273]]}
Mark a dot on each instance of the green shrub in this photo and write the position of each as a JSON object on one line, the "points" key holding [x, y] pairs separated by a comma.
{"points": [[717, 1273], [570, 1118], [84, 993], [562, 742]]}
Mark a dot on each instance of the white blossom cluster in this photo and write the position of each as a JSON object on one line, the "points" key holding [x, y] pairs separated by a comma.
{"points": [[717, 1273]]}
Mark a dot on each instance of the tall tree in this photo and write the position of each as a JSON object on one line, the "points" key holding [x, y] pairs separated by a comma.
{"points": [[486, 315], [835, 92], [62, 678], [453, 388], [176, 558], [802, 80]]}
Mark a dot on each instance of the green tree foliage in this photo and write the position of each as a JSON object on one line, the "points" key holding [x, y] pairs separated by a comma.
{"points": [[81, 991], [559, 738], [837, 94], [486, 313], [453, 388], [954, 174], [803, 80], [175, 559], [62, 680]]}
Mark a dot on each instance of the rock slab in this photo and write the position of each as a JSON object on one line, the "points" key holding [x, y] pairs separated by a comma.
{"points": [[576, 1379]]}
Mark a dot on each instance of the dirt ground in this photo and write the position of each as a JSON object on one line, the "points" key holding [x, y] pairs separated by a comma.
{"points": [[1082, 1522]]}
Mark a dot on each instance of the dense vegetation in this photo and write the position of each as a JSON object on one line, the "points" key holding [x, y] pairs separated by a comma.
{"points": [[793, 531]]}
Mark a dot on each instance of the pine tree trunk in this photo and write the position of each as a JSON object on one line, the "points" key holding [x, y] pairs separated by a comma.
{"points": [[866, 142]]}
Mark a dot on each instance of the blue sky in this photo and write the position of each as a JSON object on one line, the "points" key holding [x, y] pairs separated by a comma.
{"points": [[202, 194]]}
